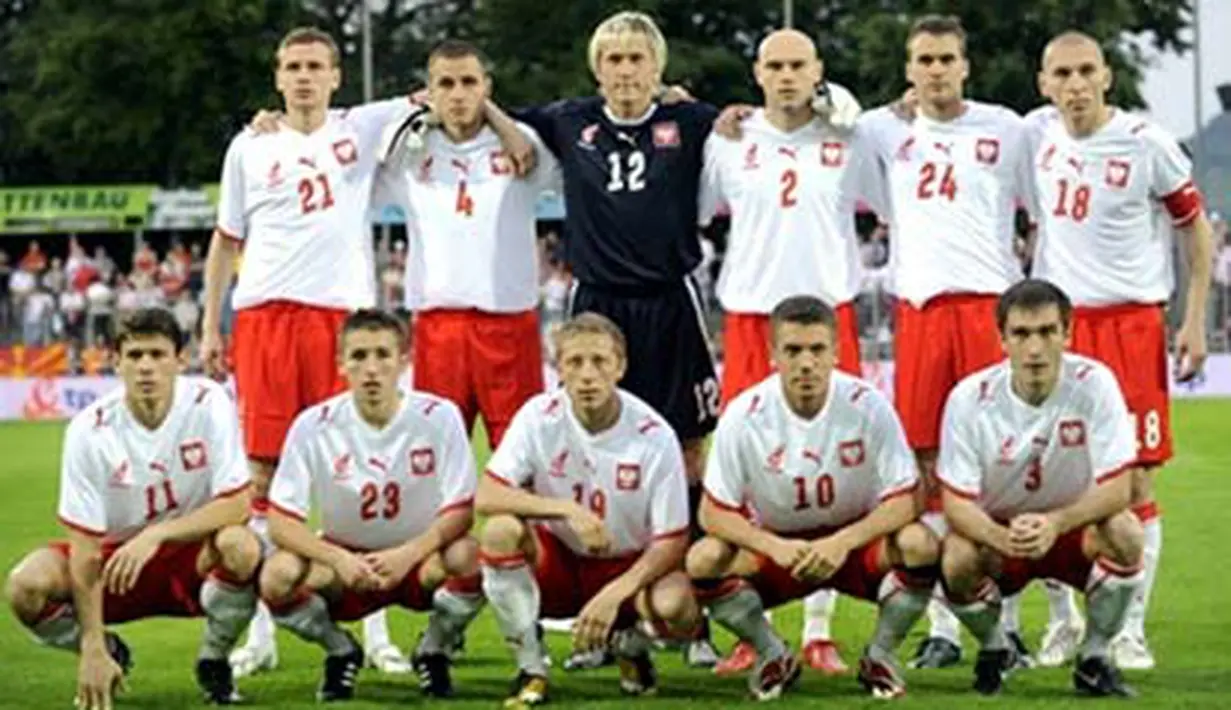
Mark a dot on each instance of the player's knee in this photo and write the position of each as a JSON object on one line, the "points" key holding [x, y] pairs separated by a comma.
{"points": [[239, 552], [461, 557], [672, 601], [917, 546], [30, 584], [708, 558], [503, 535], [1123, 539], [959, 565], [280, 575]]}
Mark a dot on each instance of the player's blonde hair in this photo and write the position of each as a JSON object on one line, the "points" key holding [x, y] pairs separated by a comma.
{"points": [[589, 323], [628, 22]]}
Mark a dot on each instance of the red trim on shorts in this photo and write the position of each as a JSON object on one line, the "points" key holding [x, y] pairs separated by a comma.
{"points": [[1116, 570], [725, 588], [517, 559], [260, 506], [470, 584], [459, 505], [499, 479], [899, 492], [1147, 511], [1115, 472], [678, 532], [723, 505], [224, 577], [298, 597], [286, 511], [957, 491], [233, 491], [80, 528], [1113, 311], [51, 610]]}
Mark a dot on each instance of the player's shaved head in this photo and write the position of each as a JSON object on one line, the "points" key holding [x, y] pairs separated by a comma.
{"points": [[786, 41], [1072, 39]]}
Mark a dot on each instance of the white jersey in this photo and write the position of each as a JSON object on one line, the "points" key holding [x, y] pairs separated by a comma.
{"points": [[954, 188], [375, 488], [1015, 458], [1104, 200], [798, 474], [299, 205], [631, 475], [792, 198], [118, 476], [471, 224]]}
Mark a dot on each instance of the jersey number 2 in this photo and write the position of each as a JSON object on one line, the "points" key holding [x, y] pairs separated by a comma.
{"points": [[370, 501], [790, 179], [627, 172], [314, 194]]}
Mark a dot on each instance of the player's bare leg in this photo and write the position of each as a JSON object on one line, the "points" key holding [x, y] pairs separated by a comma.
{"points": [[453, 578], [228, 598], [700, 651], [507, 551], [39, 592], [293, 589], [1130, 649], [1116, 546], [260, 650], [717, 570], [943, 646], [976, 601], [668, 606]]}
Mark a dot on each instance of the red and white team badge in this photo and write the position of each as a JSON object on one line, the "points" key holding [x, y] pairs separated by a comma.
{"points": [[587, 135], [423, 462], [1072, 433], [1118, 172], [500, 164], [193, 456], [628, 476], [345, 151], [851, 453], [987, 150], [666, 134], [832, 154]]}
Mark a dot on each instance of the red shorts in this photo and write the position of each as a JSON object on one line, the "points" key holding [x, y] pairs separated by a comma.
{"points": [[169, 585], [746, 349], [936, 346], [567, 580], [859, 577], [285, 361], [1065, 562], [485, 363], [1132, 340], [353, 605]]}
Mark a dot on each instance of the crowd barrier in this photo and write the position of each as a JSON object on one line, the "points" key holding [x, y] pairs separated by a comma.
{"points": [[43, 398]]}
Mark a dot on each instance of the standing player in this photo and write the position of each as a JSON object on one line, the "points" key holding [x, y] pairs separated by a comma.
{"points": [[296, 201], [153, 494], [472, 276], [588, 517], [955, 175], [393, 476], [821, 458], [1036, 459], [632, 169], [1108, 182], [790, 184]]}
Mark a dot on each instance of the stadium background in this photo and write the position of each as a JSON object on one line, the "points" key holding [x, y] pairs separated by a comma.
{"points": [[111, 146]]}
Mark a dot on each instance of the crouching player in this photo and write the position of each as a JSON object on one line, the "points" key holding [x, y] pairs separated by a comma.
{"points": [[393, 476], [154, 495], [1033, 457], [588, 506], [821, 460]]}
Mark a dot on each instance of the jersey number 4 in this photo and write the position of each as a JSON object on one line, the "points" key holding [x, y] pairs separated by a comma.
{"points": [[371, 505], [627, 172], [314, 194], [936, 180]]}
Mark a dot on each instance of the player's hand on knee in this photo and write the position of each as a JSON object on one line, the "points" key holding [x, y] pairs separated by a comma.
{"points": [[122, 571], [355, 572], [213, 355], [728, 122], [1031, 535], [590, 531], [99, 678], [787, 554], [266, 122], [593, 625]]}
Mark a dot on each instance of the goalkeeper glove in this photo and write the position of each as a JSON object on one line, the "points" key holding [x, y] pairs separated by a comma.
{"points": [[836, 105], [402, 141]]}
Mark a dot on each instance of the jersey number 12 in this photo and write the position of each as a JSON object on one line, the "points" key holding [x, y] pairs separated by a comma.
{"points": [[627, 172]]}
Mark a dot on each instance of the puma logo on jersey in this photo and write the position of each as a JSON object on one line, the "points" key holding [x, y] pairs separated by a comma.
{"points": [[341, 467], [556, 468], [773, 462]]}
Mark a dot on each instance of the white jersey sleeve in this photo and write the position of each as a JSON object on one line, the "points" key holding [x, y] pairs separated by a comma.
{"points": [[232, 472], [547, 174], [958, 466], [895, 462], [1171, 180], [710, 196], [513, 463], [457, 475], [82, 502], [866, 172], [232, 209], [725, 478], [290, 492], [669, 513], [370, 119], [1113, 439]]}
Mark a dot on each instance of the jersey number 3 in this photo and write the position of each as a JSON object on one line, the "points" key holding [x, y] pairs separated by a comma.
{"points": [[627, 172]]}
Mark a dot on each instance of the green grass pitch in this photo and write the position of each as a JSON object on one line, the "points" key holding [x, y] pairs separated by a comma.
{"points": [[1190, 622]]}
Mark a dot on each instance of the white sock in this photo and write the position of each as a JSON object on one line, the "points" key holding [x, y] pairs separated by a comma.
{"points": [[943, 624], [376, 630], [1134, 624], [58, 628], [1109, 593], [901, 605], [818, 611], [227, 610], [513, 593], [261, 628], [1061, 602], [310, 621], [452, 612], [743, 614], [1011, 614]]}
